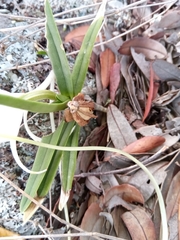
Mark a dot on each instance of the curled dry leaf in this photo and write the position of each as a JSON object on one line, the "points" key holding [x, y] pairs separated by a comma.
{"points": [[139, 224], [144, 144], [107, 59], [80, 110], [93, 184], [127, 192], [149, 47]]}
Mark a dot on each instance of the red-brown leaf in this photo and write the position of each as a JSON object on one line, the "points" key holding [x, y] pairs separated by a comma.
{"points": [[107, 59], [90, 217], [127, 192], [144, 144], [78, 33], [150, 95], [114, 80], [139, 224], [150, 48], [93, 222]]}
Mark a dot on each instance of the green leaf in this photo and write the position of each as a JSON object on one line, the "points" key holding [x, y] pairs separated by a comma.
{"points": [[31, 106], [37, 95], [69, 161], [61, 98], [41, 53], [46, 159], [42, 161], [83, 58], [57, 54], [52, 169]]}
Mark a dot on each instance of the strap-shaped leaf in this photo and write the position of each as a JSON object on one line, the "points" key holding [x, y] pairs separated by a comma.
{"points": [[52, 169], [68, 166], [57, 54], [83, 58], [31, 106], [69, 161], [46, 159]]}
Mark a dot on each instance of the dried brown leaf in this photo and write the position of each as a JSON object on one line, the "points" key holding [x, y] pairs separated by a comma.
{"points": [[115, 43], [107, 59], [141, 180], [150, 94], [114, 80], [150, 48], [167, 24], [127, 192], [119, 227], [119, 129], [131, 91], [173, 227], [165, 70], [90, 219], [92, 64], [149, 130], [77, 34], [140, 60], [6, 233], [93, 184], [79, 110], [173, 197], [118, 201], [169, 141], [144, 144], [96, 138], [167, 97], [32, 209], [139, 224], [170, 20]]}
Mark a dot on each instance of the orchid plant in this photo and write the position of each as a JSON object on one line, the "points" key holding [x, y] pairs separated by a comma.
{"points": [[78, 111], [62, 144]]}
